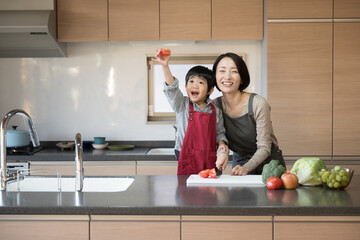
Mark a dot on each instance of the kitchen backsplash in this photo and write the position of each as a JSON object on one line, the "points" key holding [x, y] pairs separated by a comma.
{"points": [[100, 88]]}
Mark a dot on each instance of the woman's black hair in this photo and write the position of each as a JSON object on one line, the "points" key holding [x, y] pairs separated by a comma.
{"points": [[202, 72], [241, 66]]}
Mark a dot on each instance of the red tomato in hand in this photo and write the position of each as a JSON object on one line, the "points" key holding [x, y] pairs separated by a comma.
{"points": [[289, 180], [212, 173], [274, 183], [165, 51], [204, 173]]}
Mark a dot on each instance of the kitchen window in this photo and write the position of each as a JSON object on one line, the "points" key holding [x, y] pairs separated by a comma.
{"points": [[158, 108]]}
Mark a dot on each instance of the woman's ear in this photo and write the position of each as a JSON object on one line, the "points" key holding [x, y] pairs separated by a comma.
{"points": [[211, 91]]}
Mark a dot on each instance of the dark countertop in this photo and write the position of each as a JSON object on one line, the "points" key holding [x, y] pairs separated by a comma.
{"points": [[169, 195], [53, 153]]}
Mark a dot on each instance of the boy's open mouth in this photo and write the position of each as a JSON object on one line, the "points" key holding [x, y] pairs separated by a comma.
{"points": [[194, 94]]}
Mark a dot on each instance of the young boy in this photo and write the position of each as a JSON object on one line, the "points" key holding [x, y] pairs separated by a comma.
{"points": [[199, 123]]}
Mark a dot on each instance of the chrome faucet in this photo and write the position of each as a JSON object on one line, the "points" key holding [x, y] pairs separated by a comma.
{"points": [[79, 180], [5, 176]]}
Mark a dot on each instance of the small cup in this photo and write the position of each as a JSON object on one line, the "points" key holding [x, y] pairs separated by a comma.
{"points": [[99, 140]]}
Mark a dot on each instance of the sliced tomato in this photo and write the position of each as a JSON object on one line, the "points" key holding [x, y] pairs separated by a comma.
{"points": [[204, 173], [165, 51], [212, 173]]}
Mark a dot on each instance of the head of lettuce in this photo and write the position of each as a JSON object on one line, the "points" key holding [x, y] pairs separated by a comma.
{"points": [[307, 170]]}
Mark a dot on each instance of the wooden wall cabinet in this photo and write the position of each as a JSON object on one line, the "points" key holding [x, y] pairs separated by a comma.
{"points": [[346, 88], [35, 227], [237, 20], [232, 227], [346, 9], [313, 74], [164, 20], [185, 20], [300, 86], [82, 20], [135, 227], [135, 20], [285, 9], [321, 228]]}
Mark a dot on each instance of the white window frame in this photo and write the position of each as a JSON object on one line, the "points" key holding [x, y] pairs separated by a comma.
{"points": [[169, 117]]}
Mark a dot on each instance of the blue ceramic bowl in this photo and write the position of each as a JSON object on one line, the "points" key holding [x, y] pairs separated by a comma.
{"points": [[99, 140]]}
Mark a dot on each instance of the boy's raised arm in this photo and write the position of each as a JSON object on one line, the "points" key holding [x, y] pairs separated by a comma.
{"points": [[163, 60]]}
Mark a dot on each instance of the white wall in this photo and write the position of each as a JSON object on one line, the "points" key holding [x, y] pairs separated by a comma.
{"points": [[100, 88]]}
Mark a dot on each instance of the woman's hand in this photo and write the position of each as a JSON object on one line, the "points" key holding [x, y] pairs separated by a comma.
{"points": [[159, 58], [222, 147], [222, 155], [222, 160], [239, 170]]}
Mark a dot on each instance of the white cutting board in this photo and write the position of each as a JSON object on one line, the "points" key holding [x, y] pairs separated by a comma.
{"points": [[226, 180]]}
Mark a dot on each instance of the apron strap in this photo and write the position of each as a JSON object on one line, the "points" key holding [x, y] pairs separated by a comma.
{"points": [[191, 106], [250, 107]]}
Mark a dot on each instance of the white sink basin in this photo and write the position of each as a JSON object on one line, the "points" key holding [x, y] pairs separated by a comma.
{"points": [[67, 184], [161, 151]]}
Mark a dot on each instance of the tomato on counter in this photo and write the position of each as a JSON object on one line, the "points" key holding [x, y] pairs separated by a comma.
{"points": [[274, 183]]}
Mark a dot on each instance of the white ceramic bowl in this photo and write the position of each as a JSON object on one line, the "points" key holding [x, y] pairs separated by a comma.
{"points": [[100, 146]]}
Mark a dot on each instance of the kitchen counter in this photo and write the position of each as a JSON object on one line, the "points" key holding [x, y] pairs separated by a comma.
{"points": [[52, 153], [169, 195]]}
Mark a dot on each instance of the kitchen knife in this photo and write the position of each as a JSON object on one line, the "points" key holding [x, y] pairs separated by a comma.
{"points": [[218, 172]]}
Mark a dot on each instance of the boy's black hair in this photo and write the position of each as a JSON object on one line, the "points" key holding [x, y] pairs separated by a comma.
{"points": [[241, 66], [202, 72]]}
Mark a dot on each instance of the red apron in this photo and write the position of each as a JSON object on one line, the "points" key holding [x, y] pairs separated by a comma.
{"points": [[198, 151]]}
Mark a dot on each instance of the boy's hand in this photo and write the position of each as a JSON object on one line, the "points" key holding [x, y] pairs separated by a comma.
{"points": [[160, 58]]}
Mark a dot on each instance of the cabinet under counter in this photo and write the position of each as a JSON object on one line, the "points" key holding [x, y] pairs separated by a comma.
{"points": [[91, 168]]}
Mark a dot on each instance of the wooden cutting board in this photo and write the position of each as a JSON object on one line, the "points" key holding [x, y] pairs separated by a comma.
{"points": [[226, 180]]}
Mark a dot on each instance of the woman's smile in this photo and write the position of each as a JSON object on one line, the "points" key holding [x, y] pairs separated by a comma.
{"points": [[226, 83]]}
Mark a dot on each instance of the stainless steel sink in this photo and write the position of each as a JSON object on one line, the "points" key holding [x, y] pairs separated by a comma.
{"points": [[67, 184], [161, 151]]}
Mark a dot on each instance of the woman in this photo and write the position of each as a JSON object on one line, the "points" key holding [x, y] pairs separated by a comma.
{"points": [[246, 118]]}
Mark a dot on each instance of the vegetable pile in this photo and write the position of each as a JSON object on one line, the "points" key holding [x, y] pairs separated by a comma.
{"points": [[307, 170], [272, 169]]}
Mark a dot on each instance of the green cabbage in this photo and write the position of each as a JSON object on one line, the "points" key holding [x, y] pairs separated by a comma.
{"points": [[307, 170]]}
